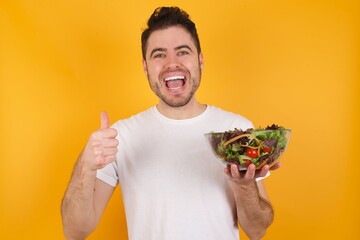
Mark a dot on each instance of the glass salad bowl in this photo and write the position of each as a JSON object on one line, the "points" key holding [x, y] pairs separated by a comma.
{"points": [[257, 146]]}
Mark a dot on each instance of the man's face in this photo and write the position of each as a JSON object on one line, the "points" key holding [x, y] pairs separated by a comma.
{"points": [[173, 66]]}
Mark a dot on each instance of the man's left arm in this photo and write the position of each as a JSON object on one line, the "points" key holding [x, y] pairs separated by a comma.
{"points": [[254, 211]]}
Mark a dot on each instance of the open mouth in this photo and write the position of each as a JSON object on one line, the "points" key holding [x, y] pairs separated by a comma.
{"points": [[175, 82]]}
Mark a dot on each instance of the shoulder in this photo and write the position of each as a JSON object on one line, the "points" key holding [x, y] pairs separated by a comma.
{"points": [[144, 117], [229, 119]]}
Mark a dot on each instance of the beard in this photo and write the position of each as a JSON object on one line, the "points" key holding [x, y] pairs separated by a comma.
{"points": [[177, 100]]}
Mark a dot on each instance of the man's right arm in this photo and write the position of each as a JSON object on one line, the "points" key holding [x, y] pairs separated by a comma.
{"points": [[86, 196]]}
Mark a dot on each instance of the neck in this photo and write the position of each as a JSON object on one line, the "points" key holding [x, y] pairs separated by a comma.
{"points": [[190, 110]]}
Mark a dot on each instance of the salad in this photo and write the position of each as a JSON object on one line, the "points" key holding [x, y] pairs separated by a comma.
{"points": [[258, 146]]}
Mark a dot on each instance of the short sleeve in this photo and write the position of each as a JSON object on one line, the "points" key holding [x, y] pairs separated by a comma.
{"points": [[108, 174]]}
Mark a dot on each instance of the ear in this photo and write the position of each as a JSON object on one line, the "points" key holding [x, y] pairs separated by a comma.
{"points": [[201, 61], [145, 67]]}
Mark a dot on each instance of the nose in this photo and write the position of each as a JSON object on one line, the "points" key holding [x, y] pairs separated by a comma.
{"points": [[172, 62]]}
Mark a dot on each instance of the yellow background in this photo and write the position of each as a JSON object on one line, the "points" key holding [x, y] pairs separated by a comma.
{"points": [[294, 63]]}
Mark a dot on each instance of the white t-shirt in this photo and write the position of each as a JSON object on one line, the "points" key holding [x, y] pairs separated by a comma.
{"points": [[172, 187]]}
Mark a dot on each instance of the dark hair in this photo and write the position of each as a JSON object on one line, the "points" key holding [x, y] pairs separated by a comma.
{"points": [[164, 17]]}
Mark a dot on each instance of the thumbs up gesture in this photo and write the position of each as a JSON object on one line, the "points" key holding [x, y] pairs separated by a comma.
{"points": [[101, 148]]}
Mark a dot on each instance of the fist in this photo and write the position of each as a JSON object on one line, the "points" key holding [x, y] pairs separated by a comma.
{"points": [[101, 148]]}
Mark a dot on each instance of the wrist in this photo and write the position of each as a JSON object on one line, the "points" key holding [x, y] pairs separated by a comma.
{"points": [[85, 167], [247, 186], [83, 175], [246, 190]]}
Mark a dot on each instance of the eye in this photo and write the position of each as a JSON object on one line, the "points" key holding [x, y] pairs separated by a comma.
{"points": [[182, 53], [159, 55]]}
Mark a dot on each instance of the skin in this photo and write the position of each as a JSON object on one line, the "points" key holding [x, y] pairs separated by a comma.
{"points": [[254, 210], [170, 53], [86, 196]]}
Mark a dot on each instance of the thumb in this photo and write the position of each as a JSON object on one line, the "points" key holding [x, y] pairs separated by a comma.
{"points": [[104, 119]]}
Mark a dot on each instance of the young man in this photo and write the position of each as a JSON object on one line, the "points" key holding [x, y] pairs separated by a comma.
{"points": [[171, 187]]}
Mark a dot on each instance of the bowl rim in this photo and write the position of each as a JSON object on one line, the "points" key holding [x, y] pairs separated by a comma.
{"points": [[258, 130]]}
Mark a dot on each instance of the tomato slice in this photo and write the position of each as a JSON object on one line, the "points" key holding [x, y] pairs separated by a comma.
{"points": [[247, 163], [266, 149], [253, 153]]}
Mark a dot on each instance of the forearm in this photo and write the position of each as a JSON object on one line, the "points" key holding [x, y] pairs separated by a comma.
{"points": [[81, 206], [78, 214], [255, 213]]}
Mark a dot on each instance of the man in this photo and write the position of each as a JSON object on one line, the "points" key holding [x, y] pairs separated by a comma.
{"points": [[171, 187]]}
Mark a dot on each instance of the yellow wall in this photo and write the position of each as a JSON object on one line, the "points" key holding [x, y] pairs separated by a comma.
{"points": [[295, 63]]}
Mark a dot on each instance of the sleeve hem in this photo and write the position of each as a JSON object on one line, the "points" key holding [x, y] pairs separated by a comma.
{"points": [[105, 178], [261, 178]]}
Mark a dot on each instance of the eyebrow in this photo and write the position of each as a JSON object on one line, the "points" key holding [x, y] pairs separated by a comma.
{"points": [[184, 46], [164, 49], [156, 50]]}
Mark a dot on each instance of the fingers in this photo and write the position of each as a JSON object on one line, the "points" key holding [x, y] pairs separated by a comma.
{"points": [[104, 152], [102, 161], [234, 171], [101, 148], [105, 147], [249, 175], [104, 120], [263, 171], [275, 166], [250, 172], [231, 170], [240, 177], [106, 133], [110, 143]]}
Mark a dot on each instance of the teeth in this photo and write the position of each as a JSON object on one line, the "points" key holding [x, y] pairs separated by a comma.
{"points": [[175, 78]]}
